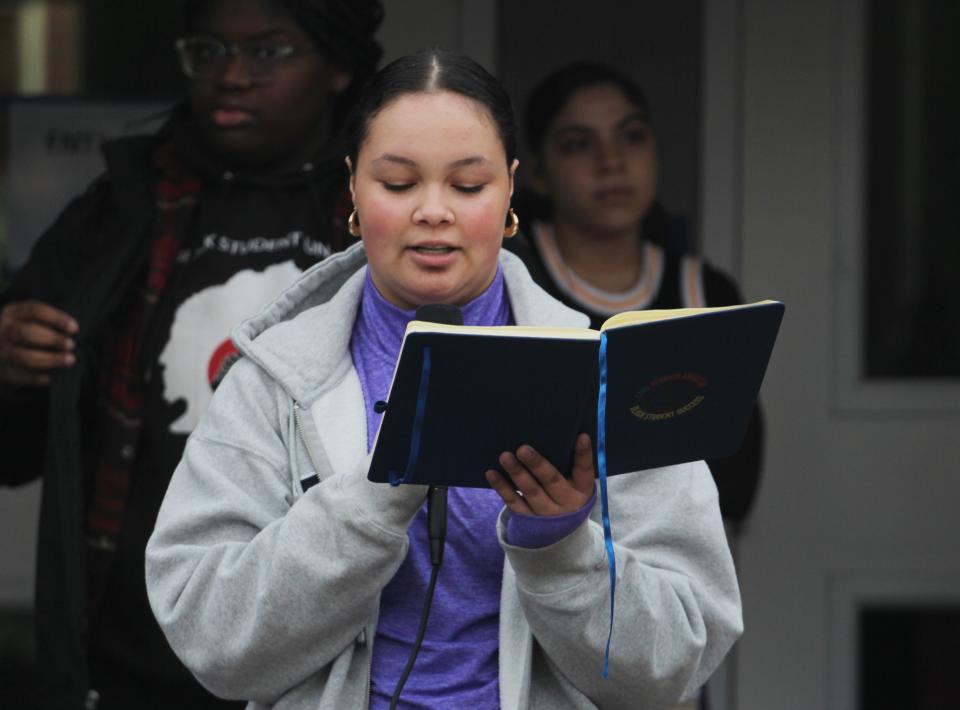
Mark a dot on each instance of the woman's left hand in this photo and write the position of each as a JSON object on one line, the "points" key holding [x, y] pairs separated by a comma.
{"points": [[540, 488]]}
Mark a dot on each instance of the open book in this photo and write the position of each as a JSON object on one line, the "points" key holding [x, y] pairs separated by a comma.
{"points": [[680, 386]]}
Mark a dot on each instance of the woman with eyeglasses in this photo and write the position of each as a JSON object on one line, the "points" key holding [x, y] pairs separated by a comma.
{"points": [[115, 333]]}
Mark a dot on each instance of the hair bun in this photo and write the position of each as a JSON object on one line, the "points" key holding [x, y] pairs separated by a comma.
{"points": [[342, 29]]}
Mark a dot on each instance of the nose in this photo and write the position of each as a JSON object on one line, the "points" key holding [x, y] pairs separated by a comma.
{"points": [[233, 74], [609, 157], [433, 210]]}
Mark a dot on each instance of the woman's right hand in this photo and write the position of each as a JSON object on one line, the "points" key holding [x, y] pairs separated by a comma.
{"points": [[35, 340]]}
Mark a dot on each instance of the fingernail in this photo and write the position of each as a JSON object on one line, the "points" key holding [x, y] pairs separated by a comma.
{"points": [[69, 359]]}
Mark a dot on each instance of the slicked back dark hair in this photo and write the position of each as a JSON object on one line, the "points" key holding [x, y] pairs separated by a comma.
{"points": [[432, 70]]}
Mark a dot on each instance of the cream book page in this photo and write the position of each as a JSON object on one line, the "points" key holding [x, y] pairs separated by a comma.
{"points": [[632, 317]]}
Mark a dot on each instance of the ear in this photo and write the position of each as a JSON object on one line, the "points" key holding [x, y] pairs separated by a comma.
{"points": [[513, 174], [340, 80], [353, 193], [537, 180]]}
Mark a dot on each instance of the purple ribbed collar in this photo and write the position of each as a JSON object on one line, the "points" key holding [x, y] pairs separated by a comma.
{"points": [[387, 322]]}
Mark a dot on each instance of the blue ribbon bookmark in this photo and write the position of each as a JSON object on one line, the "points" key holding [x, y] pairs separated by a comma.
{"points": [[417, 423], [602, 475]]}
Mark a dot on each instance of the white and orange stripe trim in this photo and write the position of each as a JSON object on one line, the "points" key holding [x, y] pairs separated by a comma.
{"points": [[691, 282], [636, 298]]}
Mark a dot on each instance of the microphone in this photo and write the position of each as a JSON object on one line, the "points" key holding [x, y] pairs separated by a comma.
{"points": [[436, 510], [439, 313]]}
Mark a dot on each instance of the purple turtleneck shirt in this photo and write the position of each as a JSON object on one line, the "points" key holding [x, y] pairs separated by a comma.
{"points": [[458, 661]]}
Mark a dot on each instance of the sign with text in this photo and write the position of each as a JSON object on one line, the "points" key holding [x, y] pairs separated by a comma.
{"points": [[54, 154]]}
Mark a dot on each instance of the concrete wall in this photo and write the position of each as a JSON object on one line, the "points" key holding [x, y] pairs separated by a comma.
{"points": [[859, 497]]}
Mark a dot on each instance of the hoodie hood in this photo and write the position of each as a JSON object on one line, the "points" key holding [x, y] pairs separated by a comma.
{"points": [[300, 337]]}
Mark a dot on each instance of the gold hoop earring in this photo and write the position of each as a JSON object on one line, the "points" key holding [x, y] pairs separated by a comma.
{"points": [[514, 224], [353, 223]]}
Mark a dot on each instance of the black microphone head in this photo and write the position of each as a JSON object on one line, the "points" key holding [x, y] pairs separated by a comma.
{"points": [[440, 313]]}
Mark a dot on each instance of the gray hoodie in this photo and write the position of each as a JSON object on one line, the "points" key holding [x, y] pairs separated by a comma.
{"points": [[270, 594]]}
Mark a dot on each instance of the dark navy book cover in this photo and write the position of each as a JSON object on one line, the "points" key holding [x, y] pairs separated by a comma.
{"points": [[679, 389], [683, 389]]}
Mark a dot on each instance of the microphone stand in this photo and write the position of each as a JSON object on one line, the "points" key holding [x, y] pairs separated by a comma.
{"points": [[437, 530]]}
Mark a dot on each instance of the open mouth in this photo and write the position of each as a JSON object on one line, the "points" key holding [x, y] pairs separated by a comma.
{"points": [[438, 249]]}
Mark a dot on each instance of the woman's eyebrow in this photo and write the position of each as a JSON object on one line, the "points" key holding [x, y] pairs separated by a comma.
{"points": [[582, 128], [471, 160], [574, 128], [632, 117], [391, 158], [279, 33], [460, 163]]}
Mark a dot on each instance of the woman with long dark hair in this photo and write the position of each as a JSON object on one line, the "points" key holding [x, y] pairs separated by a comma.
{"points": [[596, 235]]}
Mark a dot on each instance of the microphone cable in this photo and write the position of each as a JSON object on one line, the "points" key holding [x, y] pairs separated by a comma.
{"points": [[436, 511], [437, 531]]}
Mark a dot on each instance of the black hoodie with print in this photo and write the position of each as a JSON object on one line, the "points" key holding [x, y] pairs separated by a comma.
{"points": [[246, 238]]}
